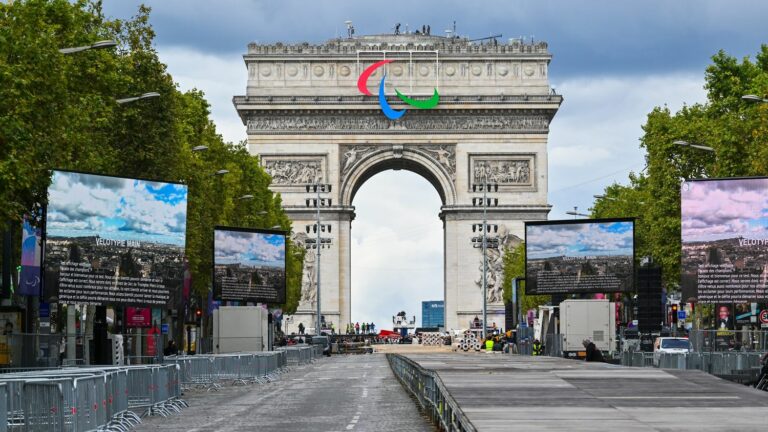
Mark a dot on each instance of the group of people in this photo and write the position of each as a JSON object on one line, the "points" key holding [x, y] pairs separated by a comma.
{"points": [[503, 342], [364, 328]]}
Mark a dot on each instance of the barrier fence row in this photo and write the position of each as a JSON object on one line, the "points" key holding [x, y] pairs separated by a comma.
{"points": [[109, 398], [737, 366], [431, 393], [83, 399]]}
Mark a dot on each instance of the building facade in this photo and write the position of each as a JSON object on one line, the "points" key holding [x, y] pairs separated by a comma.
{"points": [[433, 313], [308, 121]]}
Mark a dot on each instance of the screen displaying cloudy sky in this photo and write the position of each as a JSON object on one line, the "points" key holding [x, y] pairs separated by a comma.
{"points": [[249, 248], [579, 239], [724, 209], [82, 205]]}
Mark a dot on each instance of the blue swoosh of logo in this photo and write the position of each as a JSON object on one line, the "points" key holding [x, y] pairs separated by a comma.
{"points": [[385, 108]]}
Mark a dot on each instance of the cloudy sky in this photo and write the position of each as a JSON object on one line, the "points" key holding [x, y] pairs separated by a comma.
{"points": [[81, 205], [714, 210], [613, 61], [250, 249], [579, 239]]}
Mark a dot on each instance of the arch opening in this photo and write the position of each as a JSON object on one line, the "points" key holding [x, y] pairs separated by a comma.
{"points": [[409, 158], [397, 244]]}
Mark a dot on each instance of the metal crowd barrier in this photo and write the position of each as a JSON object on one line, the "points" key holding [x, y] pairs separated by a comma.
{"points": [[115, 398], [85, 399], [737, 366], [3, 408], [431, 393], [210, 371]]}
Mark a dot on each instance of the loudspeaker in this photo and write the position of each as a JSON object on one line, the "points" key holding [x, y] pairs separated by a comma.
{"points": [[509, 316], [649, 306]]}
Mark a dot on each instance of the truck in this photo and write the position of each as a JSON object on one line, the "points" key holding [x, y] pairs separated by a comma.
{"points": [[240, 329], [587, 319]]}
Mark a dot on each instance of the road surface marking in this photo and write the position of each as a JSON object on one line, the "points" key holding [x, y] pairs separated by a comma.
{"points": [[668, 397]]}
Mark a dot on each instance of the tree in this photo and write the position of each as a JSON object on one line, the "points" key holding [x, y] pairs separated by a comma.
{"points": [[59, 112], [737, 131], [514, 267]]}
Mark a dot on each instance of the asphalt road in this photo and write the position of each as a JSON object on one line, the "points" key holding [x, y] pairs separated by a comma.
{"points": [[340, 393], [508, 393]]}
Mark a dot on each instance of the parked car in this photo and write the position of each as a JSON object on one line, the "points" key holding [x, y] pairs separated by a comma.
{"points": [[672, 345]]}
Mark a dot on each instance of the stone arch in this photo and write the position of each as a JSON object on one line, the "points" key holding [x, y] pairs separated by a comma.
{"points": [[410, 158]]}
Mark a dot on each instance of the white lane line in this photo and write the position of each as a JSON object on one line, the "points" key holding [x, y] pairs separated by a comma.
{"points": [[669, 397], [350, 426]]}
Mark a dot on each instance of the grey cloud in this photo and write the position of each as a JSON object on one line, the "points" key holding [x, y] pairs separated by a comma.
{"points": [[98, 181], [600, 37]]}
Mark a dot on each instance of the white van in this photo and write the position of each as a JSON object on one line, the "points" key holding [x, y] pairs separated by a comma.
{"points": [[671, 345]]}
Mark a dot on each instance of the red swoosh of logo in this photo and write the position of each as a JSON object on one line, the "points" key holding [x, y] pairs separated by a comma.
{"points": [[362, 82]]}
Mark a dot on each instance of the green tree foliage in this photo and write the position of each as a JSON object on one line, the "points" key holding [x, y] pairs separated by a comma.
{"points": [[514, 267], [737, 130], [59, 111]]}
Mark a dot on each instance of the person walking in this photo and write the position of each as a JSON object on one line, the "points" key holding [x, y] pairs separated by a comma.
{"points": [[357, 328], [301, 328]]}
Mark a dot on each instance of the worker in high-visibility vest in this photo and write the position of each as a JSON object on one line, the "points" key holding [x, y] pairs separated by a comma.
{"points": [[489, 344], [537, 348]]}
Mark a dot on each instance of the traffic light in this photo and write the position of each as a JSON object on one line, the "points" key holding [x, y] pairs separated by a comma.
{"points": [[674, 314], [198, 315]]}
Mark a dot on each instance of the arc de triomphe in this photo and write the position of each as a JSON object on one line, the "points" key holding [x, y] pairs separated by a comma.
{"points": [[307, 121]]}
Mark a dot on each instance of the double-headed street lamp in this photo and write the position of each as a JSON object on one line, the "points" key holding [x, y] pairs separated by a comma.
{"points": [[575, 213], [483, 242], [318, 243]]}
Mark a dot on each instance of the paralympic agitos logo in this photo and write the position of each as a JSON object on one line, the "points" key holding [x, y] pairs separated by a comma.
{"points": [[392, 114]]}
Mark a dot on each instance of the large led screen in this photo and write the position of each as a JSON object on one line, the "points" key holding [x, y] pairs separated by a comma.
{"points": [[249, 265], [579, 256], [725, 240], [112, 240]]}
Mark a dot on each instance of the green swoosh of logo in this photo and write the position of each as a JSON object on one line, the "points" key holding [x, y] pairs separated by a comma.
{"points": [[421, 104]]}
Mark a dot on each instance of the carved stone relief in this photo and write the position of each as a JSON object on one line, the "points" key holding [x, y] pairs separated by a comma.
{"points": [[329, 123], [445, 155], [309, 274], [494, 276], [504, 170], [294, 170], [352, 154]]}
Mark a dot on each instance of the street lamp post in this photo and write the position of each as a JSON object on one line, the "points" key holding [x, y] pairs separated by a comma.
{"points": [[696, 146], [319, 242], [575, 213], [98, 45], [139, 97], [485, 202], [754, 98]]}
